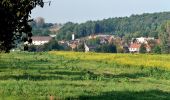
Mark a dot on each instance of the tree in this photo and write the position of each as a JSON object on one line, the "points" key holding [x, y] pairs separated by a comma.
{"points": [[80, 47], [40, 22], [142, 48], [107, 48], [52, 45], [157, 50], [14, 18], [133, 26], [165, 37]]}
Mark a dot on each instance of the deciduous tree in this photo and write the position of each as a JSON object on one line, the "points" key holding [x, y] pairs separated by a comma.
{"points": [[165, 37], [142, 48], [14, 18]]}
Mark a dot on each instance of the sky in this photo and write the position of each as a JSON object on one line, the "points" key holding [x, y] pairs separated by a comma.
{"points": [[78, 11]]}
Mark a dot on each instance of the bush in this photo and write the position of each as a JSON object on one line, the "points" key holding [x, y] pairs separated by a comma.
{"points": [[157, 50]]}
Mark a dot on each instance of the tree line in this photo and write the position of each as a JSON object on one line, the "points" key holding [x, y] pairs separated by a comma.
{"points": [[133, 26]]}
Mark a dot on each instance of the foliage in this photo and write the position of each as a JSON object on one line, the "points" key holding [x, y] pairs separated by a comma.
{"points": [[51, 45], [119, 49], [95, 41], [142, 48], [157, 50], [40, 28], [106, 48], [132, 27], [41, 32], [14, 21], [80, 47], [165, 37]]}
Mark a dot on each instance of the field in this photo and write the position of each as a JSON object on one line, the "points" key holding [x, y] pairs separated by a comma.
{"points": [[61, 75]]}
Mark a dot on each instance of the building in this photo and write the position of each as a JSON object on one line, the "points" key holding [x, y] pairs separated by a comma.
{"points": [[134, 47], [73, 37], [40, 40], [73, 46], [89, 48], [53, 35], [92, 37], [143, 39]]}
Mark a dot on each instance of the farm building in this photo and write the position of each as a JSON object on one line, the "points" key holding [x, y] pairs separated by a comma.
{"points": [[40, 40]]}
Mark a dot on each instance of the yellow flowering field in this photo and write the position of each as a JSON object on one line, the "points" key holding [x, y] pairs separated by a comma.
{"points": [[145, 60]]}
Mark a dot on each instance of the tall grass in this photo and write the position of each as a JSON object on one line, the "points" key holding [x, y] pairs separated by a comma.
{"points": [[92, 76]]}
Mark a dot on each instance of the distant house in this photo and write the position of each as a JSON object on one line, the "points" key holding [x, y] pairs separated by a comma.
{"points": [[158, 41], [40, 40], [134, 47], [89, 48], [111, 39], [62, 42], [92, 37], [103, 40], [53, 35], [73, 46], [143, 39]]}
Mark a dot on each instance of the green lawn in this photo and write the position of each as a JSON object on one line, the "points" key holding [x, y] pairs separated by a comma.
{"points": [[68, 75]]}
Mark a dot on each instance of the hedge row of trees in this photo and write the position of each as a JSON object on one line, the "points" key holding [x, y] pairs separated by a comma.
{"points": [[51, 45], [40, 28]]}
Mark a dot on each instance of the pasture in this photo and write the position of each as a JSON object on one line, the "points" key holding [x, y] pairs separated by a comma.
{"points": [[61, 75]]}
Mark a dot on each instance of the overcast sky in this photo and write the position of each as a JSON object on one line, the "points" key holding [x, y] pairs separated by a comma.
{"points": [[62, 11]]}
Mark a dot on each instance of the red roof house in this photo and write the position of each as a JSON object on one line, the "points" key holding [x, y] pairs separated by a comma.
{"points": [[134, 47]]}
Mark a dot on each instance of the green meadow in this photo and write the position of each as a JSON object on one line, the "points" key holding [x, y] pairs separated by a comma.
{"points": [[84, 76]]}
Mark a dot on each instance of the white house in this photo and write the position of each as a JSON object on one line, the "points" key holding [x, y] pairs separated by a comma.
{"points": [[53, 35], [40, 40], [144, 39], [87, 49]]}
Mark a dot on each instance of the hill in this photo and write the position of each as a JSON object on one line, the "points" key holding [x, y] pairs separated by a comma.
{"points": [[41, 28], [133, 26]]}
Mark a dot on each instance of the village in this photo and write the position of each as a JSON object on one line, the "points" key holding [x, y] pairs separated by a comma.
{"points": [[123, 46]]}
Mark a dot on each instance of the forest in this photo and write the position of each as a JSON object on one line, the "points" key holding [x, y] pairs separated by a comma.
{"points": [[147, 25]]}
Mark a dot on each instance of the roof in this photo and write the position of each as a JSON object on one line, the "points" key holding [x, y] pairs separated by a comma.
{"points": [[158, 41], [91, 46], [73, 46], [135, 45], [41, 38]]}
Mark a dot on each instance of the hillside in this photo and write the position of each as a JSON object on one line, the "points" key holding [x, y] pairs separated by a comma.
{"points": [[84, 76], [41, 28], [133, 26]]}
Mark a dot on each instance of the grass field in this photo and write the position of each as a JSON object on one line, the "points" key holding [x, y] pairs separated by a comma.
{"points": [[85, 76]]}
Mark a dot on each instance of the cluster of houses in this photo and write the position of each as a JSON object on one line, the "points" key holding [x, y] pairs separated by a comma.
{"points": [[132, 47]]}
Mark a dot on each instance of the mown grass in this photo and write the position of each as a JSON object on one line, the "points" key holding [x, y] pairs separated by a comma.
{"points": [[85, 76]]}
